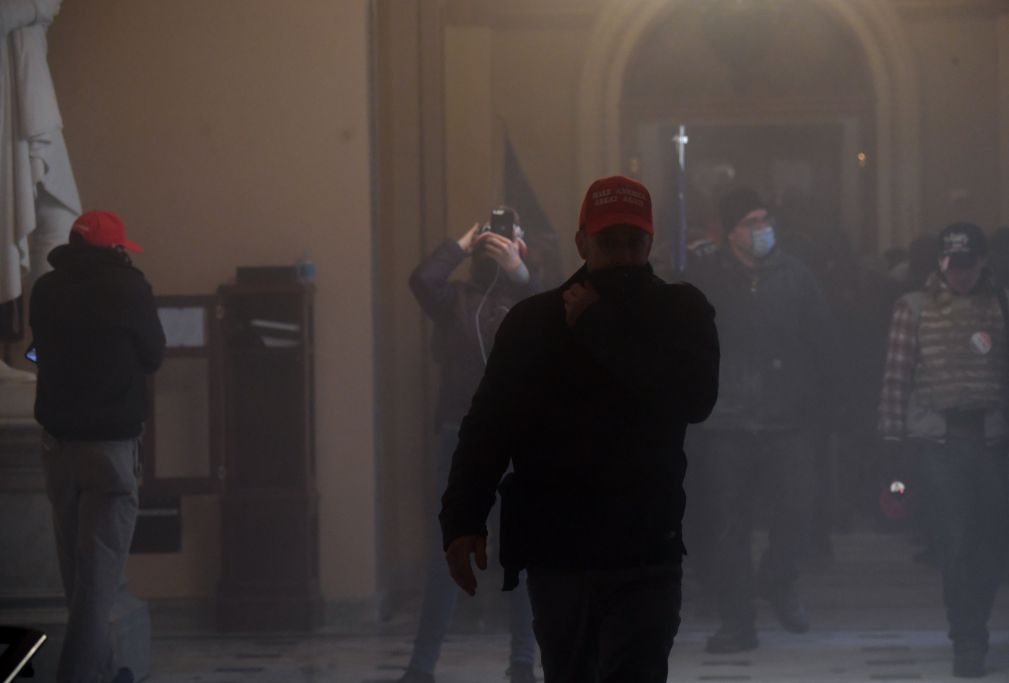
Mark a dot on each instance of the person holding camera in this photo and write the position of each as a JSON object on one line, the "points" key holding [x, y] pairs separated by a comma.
{"points": [[466, 314], [97, 337], [587, 395]]}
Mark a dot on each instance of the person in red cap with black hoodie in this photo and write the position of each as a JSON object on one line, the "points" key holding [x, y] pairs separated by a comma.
{"points": [[96, 336], [587, 394]]}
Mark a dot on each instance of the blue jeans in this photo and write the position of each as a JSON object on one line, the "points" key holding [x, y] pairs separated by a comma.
{"points": [[440, 592], [965, 487]]}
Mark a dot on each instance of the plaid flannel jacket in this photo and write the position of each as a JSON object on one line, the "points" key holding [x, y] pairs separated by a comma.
{"points": [[898, 372]]}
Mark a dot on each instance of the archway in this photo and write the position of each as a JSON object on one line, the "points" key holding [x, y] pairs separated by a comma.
{"points": [[620, 27]]}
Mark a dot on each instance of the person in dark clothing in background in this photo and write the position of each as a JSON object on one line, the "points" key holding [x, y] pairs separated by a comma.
{"points": [[466, 316], [775, 333], [588, 394], [943, 407], [96, 337]]}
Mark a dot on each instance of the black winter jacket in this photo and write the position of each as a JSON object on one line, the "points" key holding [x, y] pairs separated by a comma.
{"points": [[778, 347], [97, 335], [593, 419]]}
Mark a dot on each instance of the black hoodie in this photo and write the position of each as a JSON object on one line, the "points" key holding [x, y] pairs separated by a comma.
{"points": [[97, 335], [592, 418]]}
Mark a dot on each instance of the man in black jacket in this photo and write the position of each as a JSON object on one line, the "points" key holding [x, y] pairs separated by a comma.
{"points": [[97, 336], [588, 393], [776, 353]]}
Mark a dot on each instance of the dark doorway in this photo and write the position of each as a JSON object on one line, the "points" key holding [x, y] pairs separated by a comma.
{"points": [[811, 173]]}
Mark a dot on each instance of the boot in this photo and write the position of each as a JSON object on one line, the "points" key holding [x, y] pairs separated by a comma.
{"points": [[730, 639], [124, 675], [521, 672], [788, 610], [968, 660]]}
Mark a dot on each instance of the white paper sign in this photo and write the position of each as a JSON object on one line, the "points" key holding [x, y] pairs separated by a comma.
{"points": [[184, 327]]}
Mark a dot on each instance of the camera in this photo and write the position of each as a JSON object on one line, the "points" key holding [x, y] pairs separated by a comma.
{"points": [[502, 222]]}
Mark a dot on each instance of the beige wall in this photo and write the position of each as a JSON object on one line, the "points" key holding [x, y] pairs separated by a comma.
{"points": [[471, 184], [957, 60], [233, 132], [536, 76]]}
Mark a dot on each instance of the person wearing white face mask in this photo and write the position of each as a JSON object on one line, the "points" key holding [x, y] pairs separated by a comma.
{"points": [[777, 348], [753, 238]]}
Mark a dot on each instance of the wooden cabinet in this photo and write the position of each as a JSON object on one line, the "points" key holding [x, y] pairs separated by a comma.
{"points": [[270, 529]]}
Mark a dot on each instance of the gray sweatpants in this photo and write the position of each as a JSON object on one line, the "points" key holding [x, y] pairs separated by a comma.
{"points": [[93, 489]]}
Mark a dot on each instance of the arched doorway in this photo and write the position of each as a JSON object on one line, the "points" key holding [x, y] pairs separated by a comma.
{"points": [[757, 76]]}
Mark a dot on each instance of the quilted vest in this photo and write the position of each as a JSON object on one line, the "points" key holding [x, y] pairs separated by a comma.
{"points": [[962, 352]]}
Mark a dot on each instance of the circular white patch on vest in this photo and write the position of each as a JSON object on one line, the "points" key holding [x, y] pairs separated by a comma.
{"points": [[980, 343]]}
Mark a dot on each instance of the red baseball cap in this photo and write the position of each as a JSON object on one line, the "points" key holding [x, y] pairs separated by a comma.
{"points": [[104, 229], [616, 200]]}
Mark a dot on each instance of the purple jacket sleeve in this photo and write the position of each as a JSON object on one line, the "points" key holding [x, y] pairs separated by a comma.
{"points": [[430, 284]]}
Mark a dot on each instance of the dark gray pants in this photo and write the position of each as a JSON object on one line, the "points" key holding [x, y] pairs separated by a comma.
{"points": [[966, 489], [606, 626], [734, 467], [93, 490]]}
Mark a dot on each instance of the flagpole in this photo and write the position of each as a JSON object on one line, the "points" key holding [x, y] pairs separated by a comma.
{"points": [[681, 141]]}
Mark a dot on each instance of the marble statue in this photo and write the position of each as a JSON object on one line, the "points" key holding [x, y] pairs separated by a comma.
{"points": [[38, 195]]}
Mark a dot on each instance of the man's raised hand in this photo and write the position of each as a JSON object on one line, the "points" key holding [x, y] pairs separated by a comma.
{"points": [[577, 298]]}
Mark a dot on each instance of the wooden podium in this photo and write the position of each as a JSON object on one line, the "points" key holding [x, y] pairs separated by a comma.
{"points": [[270, 518]]}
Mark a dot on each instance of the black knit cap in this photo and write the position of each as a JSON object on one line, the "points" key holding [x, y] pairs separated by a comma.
{"points": [[734, 206], [963, 244]]}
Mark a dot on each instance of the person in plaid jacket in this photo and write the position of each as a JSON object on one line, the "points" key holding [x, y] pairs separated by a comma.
{"points": [[944, 401]]}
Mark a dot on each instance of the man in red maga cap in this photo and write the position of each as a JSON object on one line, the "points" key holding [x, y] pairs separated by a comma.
{"points": [[96, 336], [587, 395]]}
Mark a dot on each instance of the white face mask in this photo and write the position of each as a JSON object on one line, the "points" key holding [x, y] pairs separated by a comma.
{"points": [[763, 242]]}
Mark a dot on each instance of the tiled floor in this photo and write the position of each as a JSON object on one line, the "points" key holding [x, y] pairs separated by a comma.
{"points": [[877, 617], [821, 657]]}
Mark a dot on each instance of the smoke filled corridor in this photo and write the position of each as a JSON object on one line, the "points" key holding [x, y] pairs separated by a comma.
{"points": [[533, 341]]}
